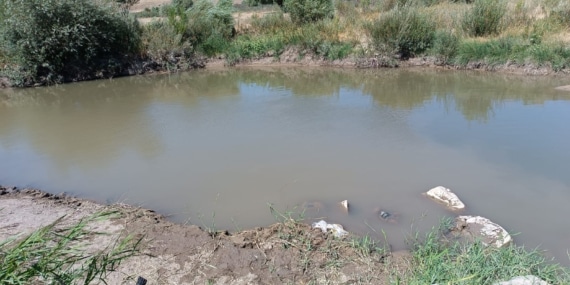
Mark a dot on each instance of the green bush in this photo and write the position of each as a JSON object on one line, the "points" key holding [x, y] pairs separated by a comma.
{"points": [[209, 24], [445, 45], [334, 51], [165, 46], [59, 40], [562, 12], [404, 31], [247, 47], [306, 11], [183, 4], [128, 2], [263, 2], [484, 18]]}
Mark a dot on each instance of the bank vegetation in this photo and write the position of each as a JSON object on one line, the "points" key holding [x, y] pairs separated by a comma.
{"points": [[53, 41]]}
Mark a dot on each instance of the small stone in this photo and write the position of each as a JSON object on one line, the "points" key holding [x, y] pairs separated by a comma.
{"points": [[445, 196], [344, 204]]}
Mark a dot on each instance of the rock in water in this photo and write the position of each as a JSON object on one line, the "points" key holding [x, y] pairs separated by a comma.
{"points": [[477, 227], [445, 196], [524, 280]]}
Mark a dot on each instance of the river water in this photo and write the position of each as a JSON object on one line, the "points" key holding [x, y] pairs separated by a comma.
{"points": [[216, 148]]}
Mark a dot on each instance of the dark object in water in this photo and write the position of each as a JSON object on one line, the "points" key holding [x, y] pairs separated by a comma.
{"points": [[384, 215]]}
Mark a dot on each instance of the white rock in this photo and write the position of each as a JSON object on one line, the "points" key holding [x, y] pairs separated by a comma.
{"points": [[445, 196], [337, 230], [479, 227], [344, 204], [524, 280]]}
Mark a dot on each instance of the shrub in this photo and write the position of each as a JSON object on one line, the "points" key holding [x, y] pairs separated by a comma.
{"points": [[271, 23], [334, 51], [263, 2], [58, 40], [562, 12], [164, 45], [484, 18], [403, 30], [183, 4], [128, 2], [213, 25], [306, 11], [445, 45]]}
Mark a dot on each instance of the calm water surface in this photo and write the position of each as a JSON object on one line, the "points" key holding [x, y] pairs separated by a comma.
{"points": [[217, 147]]}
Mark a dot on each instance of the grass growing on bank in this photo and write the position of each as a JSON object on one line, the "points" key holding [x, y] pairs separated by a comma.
{"points": [[55, 255], [462, 33], [437, 260]]}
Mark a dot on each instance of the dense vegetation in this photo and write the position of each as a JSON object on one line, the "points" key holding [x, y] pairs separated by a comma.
{"points": [[51, 41]]}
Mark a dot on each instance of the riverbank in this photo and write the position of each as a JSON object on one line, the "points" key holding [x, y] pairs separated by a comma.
{"points": [[530, 37], [286, 252]]}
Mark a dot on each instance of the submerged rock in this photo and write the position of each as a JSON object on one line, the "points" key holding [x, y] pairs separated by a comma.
{"points": [[479, 228], [337, 230], [445, 196], [524, 280]]}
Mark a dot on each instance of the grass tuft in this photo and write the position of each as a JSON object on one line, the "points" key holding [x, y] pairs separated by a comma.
{"points": [[55, 255], [484, 18], [453, 262]]}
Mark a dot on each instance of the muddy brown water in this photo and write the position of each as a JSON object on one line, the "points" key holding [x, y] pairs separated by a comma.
{"points": [[217, 147]]}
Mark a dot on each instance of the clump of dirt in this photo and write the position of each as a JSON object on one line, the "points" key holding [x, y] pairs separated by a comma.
{"points": [[286, 252]]}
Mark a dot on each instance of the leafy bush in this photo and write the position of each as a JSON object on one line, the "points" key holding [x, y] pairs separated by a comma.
{"points": [[128, 2], [445, 45], [58, 40], [209, 24], [306, 11], [484, 18], [403, 30], [334, 51], [164, 45], [183, 4], [562, 12], [263, 2]]}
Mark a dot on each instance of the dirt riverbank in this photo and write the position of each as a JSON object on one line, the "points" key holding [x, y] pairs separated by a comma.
{"points": [[288, 252]]}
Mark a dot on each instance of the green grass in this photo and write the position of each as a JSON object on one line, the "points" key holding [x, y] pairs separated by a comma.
{"points": [[55, 255], [516, 50], [436, 260]]}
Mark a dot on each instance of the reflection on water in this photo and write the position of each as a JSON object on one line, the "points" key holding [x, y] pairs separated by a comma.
{"points": [[217, 147]]}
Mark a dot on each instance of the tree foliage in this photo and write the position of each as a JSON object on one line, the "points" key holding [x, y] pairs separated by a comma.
{"points": [[306, 11], [55, 40]]}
